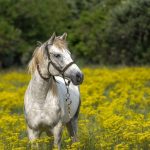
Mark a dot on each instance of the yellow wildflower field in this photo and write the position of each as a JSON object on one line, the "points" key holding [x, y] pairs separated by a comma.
{"points": [[114, 114]]}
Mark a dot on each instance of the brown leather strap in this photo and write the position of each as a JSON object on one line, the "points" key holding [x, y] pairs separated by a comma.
{"points": [[45, 78]]}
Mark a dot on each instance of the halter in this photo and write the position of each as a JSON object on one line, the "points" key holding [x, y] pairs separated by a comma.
{"points": [[68, 100], [54, 65]]}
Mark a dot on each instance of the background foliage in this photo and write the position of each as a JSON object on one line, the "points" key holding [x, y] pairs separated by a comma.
{"points": [[100, 31]]}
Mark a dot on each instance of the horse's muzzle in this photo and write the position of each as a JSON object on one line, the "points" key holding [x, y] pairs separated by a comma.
{"points": [[78, 78]]}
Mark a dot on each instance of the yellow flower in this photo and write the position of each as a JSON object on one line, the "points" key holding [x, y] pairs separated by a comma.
{"points": [[114, 114]]}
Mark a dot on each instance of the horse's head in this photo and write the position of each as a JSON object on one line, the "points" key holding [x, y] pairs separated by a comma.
{"points": [[59, 61]]}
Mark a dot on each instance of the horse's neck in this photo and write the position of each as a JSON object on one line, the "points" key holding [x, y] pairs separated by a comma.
{"points": [[39, 87]]}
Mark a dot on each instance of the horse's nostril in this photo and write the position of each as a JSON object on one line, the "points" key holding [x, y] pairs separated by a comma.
{"points": [[78, 77]]}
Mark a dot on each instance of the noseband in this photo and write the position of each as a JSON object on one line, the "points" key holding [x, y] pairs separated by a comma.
{"points": [[61, 71]]}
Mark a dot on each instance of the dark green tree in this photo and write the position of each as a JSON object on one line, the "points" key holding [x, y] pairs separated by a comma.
{"points": [[100, 31], [128, 33], [27, 21]]}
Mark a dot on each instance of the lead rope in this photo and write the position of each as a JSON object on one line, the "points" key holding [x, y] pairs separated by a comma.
{"points": [[68, 100]]}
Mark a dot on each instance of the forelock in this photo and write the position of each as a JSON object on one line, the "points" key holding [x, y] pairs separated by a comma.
{"points": [[61, 44]]}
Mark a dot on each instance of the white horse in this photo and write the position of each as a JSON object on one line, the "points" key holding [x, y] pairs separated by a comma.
{"points": [[50, 103]]}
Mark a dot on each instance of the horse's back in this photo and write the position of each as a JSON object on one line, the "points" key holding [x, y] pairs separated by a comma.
{"points": [[74, 98]]}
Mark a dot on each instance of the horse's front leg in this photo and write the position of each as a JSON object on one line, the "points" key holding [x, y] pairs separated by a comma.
{"points": [[33, 135], [49, 134], [57, 132]]}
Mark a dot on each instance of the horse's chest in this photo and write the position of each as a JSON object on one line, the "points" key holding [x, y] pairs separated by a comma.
{"points": [[44, 117]]}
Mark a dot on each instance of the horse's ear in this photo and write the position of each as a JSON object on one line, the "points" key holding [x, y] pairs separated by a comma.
{"points": [[64, 36], [51, 40]]}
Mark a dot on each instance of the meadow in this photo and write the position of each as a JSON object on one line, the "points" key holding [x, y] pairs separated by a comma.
{"points": [[114, 114]]}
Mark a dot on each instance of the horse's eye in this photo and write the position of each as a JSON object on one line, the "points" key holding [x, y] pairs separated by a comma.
{"points": [[57, 55]]}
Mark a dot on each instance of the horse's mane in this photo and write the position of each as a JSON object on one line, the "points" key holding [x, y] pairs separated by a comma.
{"points": [[37, 57]]}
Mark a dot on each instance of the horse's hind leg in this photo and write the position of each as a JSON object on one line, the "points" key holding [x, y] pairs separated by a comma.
{"points": [[33, 135], [72, 126], [72, 129]]}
